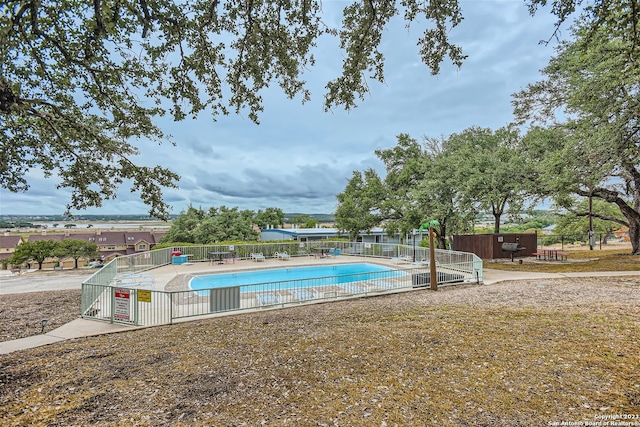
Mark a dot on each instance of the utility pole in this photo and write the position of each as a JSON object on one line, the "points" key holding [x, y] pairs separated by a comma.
{"points": [[414, 244]]}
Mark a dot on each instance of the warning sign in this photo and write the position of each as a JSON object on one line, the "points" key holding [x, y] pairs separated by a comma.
{"points": [[144, 295], [122, 309]]}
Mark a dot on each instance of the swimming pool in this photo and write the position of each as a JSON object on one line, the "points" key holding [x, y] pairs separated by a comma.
{"points": [[294, 277]]}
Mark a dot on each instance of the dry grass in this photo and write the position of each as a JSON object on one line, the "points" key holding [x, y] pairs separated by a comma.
{"points": [[578, 261], [510, 354]]}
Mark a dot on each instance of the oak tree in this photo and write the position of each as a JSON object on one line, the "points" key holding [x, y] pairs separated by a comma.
{"points": [[490, 172], [359, 204], [37, 251], [590, 101], [196, 225], [76, 249]]}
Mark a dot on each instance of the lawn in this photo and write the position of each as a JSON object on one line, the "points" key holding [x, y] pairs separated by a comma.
{"points": [[579, 261]]}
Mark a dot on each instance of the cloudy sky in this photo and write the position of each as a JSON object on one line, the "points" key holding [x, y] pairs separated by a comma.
{"points": [[300, 157]]}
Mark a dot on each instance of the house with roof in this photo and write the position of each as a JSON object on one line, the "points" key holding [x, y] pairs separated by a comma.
{"points": [[116, 243], [38, 237], [141, 241], [8, 245], [110, 244]]}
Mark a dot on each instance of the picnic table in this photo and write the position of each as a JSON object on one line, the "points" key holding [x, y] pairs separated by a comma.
{"points": [[551, 254], [323, 251]]}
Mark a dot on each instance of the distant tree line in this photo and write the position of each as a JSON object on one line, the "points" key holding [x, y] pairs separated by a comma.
{"points": [[65, 218], [11, 224]]}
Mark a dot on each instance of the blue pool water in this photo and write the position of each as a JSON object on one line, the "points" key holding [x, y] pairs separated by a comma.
{"points": [[294, 277]]}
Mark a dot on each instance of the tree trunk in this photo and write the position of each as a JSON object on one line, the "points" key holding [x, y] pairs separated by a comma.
{"points": [[441, 238], [496, 226], [630, 213], [634, 237], [498, 210]]}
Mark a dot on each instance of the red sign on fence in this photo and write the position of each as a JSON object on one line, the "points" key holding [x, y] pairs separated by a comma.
{"points": [[122, 309]]}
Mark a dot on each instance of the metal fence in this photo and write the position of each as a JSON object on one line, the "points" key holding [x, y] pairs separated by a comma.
{"points": [[597, 240], [121, 292]]}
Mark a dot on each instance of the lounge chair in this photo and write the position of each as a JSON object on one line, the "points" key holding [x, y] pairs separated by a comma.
{"points": [[302, 294], [402, 259], [350, 288], [383, 284], [268, 298], [282, 255], [257, 257], [135, 280], [424, 262]]}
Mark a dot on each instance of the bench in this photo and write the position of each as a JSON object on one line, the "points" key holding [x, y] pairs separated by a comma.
{"points": [[563, 255], [539, 256]]}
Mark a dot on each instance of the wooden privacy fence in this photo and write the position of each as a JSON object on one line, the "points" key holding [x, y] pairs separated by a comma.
{"points": [[489, 246]]}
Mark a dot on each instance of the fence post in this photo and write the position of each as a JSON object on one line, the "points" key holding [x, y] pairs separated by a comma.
{"points": [[113, 303], [171, 308], [134, 298]]}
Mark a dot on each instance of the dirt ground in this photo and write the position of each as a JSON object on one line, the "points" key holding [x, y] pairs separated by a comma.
{"points": [[530, 352], [26, 314]]}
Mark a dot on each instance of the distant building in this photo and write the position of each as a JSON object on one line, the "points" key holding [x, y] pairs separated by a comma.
{"points": [[116, 243], [53, 237], [622, 233], [376, 235], [110, 243], [8, 245]]}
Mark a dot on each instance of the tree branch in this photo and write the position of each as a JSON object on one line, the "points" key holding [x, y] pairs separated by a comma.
{"points": [[147, 18], [612, 196], [603, 217]]}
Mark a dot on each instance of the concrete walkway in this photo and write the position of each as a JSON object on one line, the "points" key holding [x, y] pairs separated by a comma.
{"points": [[75, 329], [41, 281], [83, 328]]}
